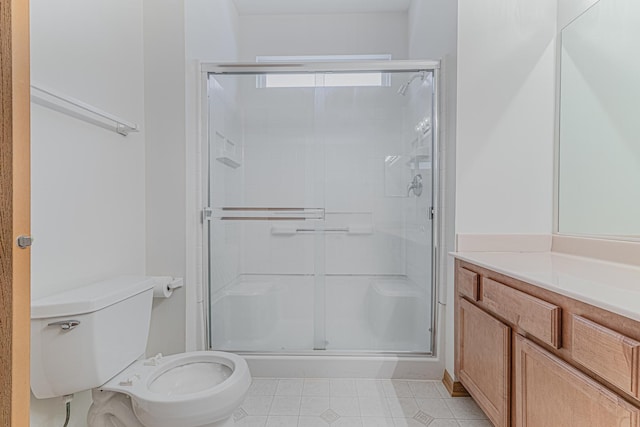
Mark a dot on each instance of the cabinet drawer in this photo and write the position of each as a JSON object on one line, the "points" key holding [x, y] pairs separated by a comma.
{"points": [[468, 284], [607, 353], [533, 315]]}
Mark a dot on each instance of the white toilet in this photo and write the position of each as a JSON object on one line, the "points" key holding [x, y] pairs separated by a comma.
{"points": [[94, 337]]}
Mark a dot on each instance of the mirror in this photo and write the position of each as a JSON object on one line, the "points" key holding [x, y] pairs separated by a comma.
{"points": [[599, 148]]}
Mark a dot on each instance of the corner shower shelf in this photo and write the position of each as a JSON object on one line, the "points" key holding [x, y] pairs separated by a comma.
{"points": [[229, 161], [227, 151]]}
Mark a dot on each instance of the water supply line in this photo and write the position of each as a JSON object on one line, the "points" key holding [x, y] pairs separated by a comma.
{"points": [[67, 400]]}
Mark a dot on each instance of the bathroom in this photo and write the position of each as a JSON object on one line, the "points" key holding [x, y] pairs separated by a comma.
{"points": [[104, 204]]}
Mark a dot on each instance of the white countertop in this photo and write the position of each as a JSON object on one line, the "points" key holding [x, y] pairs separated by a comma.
{"points": [[610, 286]]}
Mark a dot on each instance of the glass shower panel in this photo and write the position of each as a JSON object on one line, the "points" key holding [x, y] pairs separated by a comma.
{"points": [[320, 194], [378, 141], [266, 205]]}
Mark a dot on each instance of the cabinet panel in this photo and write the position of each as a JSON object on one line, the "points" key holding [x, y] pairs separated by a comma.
{"points": [[484, 352], [551, 393], [609, 354], [533, 315], [468, 284]]}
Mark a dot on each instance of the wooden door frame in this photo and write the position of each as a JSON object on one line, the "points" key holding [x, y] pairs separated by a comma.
{"points": [[14, 212]]}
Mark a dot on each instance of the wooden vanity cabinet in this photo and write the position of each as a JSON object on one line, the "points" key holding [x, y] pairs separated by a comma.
{"points": [[533, 358]]}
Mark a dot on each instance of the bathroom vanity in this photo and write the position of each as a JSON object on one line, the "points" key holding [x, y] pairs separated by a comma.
{"points": [[548, 339]]}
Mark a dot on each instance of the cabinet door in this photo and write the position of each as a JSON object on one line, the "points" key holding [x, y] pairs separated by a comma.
{"points": [[484, 356], [550, 393]]}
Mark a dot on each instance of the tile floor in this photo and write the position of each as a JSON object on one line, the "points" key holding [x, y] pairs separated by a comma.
{"points": [[274, 402]]}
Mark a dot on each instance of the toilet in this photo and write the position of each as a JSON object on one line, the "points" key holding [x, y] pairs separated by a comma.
{"points": [[94, 338]]}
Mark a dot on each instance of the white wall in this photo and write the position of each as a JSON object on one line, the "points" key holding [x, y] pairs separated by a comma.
{"points": [[164, 54], [177, 35], [88, 211], [433, 34], [505, 131], [344, 34], [568, 10]]}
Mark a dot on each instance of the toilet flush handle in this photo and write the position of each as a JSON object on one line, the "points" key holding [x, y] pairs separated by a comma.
{"points": [[66, 325]]}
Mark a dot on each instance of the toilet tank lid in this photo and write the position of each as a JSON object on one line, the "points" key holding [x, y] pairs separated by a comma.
{"points": [[90, 298]]}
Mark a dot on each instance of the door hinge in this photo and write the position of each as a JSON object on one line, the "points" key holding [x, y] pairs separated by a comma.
{"points": [[432, 212]]}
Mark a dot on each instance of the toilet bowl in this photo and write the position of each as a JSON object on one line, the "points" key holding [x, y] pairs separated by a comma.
{"points": [[188, 390], [94, 338]]}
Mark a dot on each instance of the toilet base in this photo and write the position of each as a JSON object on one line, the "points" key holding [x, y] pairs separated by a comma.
{"points": [[112, 409]]}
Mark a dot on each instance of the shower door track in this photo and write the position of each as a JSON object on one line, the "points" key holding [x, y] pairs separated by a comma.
{"points": [[318, 67], [252, 68]]}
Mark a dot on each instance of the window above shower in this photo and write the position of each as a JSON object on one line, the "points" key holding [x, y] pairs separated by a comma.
{"points": [[293, 80]]}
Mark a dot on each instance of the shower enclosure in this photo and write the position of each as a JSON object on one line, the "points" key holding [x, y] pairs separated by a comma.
{"points": [[320, 193]]}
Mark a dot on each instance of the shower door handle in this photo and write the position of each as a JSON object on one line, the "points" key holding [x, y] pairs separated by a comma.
{"points": [[262, 214]]}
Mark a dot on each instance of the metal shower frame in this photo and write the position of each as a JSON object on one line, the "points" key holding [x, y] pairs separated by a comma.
{"points": [[207, 69]]}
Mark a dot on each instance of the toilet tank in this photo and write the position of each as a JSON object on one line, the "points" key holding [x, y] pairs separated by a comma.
{"points": [[83, 337]]}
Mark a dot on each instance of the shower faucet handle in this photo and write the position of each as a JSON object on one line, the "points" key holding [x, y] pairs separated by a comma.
{"points": [[415, 186]]}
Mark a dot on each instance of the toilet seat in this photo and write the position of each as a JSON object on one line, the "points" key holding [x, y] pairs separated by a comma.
{"points": [[155, 403]]}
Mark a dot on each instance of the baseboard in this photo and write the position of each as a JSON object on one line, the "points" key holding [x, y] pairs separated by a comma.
{"points": [[455, 388]]}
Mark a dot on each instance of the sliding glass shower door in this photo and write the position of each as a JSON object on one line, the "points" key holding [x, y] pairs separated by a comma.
{"points": [[319, 211]]}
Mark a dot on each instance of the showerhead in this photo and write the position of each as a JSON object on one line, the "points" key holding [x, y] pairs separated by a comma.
{"points": [[405, 87]]}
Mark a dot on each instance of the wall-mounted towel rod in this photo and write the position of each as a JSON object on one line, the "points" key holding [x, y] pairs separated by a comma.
{"points": [[81, 110]]}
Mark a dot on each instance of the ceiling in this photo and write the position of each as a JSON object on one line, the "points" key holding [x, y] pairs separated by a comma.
{"points": [[264, 7]]}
